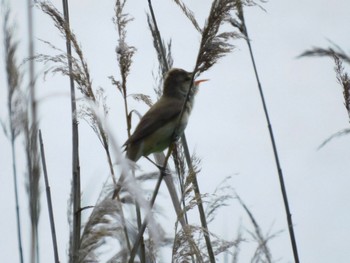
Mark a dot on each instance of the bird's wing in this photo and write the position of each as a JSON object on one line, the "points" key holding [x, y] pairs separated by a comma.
{"points": [[165, 113]]}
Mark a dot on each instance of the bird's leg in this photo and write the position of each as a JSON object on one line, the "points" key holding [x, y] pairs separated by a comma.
{"points": [[163, 167], [157, 165], [170, 150]]}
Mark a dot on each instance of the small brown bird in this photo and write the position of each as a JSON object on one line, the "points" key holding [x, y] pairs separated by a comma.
{"points": [[160, 125]]}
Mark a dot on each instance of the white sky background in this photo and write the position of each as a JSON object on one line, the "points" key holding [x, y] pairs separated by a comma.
{"points": [[227, 129]]}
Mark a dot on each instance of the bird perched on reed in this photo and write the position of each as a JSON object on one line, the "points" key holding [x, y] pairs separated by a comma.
{"points": [[161, 124]]}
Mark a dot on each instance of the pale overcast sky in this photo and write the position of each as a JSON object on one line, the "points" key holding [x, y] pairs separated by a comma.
{"points": [[227, 128]]}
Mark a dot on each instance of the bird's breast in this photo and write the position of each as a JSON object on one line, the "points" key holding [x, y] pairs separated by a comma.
{"points": [[183, 123]]}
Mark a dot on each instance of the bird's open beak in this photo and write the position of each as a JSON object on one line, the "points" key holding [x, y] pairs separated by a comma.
{"points": [[197, 82]]}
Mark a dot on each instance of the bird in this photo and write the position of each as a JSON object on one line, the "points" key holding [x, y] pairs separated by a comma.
{"points": [[161, 126]]}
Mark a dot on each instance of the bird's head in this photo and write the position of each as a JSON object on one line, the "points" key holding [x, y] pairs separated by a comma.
{"points": [[177, 82]]}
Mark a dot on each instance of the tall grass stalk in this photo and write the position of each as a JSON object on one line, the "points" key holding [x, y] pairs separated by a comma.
{"points": [[243, 29], [76, 187], [124, 56], [48, 198], [14, 77], [31, 131]]}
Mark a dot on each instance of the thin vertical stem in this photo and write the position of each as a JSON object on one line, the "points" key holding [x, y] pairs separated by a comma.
{"points": [[32, 151], [76, 188], [14, 169], [137, 207], [162, 49], [31, 61], [49, 201], [124, 73], [199, 200], [279, 169], [13, 78]]}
